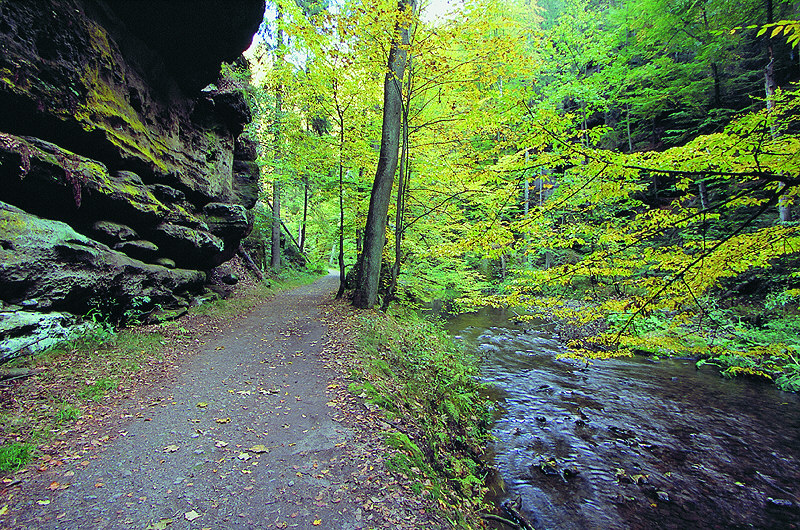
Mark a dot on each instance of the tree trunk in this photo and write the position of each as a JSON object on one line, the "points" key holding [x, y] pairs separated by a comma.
{"points": [[302, 236], [340, 292], [366, 293], [770, 85], [275, 261]]}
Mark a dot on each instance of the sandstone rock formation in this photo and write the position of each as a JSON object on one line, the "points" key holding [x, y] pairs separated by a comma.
{"points": [[123, 175]]}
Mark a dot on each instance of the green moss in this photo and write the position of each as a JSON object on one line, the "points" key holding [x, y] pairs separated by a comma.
{"points": [[12, 224], [105, 106]]}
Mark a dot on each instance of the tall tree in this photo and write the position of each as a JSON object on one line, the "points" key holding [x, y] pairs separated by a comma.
{"points": [[275, 261], [366, 292]]}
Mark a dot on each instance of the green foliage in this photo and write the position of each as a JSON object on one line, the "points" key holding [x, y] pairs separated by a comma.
{"points": [[14, 456], [67, 413], [790, 379], [98, 389], [416, 372]]}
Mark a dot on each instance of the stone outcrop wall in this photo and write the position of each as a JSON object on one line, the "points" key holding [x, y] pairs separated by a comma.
{"points": [[123, 179]]}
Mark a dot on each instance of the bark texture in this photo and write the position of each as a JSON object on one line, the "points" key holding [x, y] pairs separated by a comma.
{"points": [[366, 293]]}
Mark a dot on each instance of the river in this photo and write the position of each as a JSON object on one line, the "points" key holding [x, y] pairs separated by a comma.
{"points": [[633, 442]]}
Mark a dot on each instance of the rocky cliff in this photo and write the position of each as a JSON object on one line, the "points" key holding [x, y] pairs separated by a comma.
{"points": [[123, 177]]}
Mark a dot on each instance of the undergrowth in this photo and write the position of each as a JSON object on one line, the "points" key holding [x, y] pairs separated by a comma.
{"points": [[415, 371]]}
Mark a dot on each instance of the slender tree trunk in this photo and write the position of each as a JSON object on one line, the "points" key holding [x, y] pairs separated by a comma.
{"points": [[628, 120], [302, 236], [366, 293], [275, 261], [402, 193], [770, 86], [342, 273]]}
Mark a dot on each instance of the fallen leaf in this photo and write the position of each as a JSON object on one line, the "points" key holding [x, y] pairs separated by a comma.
{"points": [[223, 420], [191, 516], [43, 502], [202, 404], [161, 525], [4, 510], [171, 448], [54, 486], [259, 449], [243, 456], [317, 522], [220, 443]]}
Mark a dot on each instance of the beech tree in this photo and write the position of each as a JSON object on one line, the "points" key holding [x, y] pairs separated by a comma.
{"points": [[366, 292]]}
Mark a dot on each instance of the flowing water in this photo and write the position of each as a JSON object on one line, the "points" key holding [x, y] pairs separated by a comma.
{"points": [[633, 442]]}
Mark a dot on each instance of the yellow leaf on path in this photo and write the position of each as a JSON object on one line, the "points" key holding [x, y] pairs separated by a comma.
{"points": [[161, 525], [317, 522], [4, 510], [191, 516], [223, 420], [259, 449], [171, 448], [43, 502], [202, 404]]}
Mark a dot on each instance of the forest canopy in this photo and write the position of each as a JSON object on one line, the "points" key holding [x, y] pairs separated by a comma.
{"points": [[628, 169]]}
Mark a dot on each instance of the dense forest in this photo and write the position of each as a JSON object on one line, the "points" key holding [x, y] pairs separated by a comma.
{"points": [[628, 169]]}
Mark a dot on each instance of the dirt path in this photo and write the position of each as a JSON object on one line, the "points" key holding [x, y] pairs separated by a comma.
{"points": [[247, 436]]}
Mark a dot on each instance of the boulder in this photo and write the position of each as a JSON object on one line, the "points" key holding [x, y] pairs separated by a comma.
{"points": [[246, 185], [228, 221], [26, 332], [121, 166], [49, 262], [189, 247], [138, 249], [110, 232], [114, 82], [193, 36]]}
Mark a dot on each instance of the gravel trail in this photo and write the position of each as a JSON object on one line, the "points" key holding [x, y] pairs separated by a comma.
{"points": [[245, 437]]}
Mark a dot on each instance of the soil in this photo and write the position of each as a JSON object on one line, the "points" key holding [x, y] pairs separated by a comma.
{"points": [[247, 424]]}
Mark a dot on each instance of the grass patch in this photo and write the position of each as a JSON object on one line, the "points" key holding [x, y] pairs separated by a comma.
{"points": [[14, 456], [67, 414], [97, 390], [69, 378], [416, 372]]}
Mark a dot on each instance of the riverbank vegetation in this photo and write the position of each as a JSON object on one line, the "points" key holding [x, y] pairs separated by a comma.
{"points": [[630, 170], [426, 384]]}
